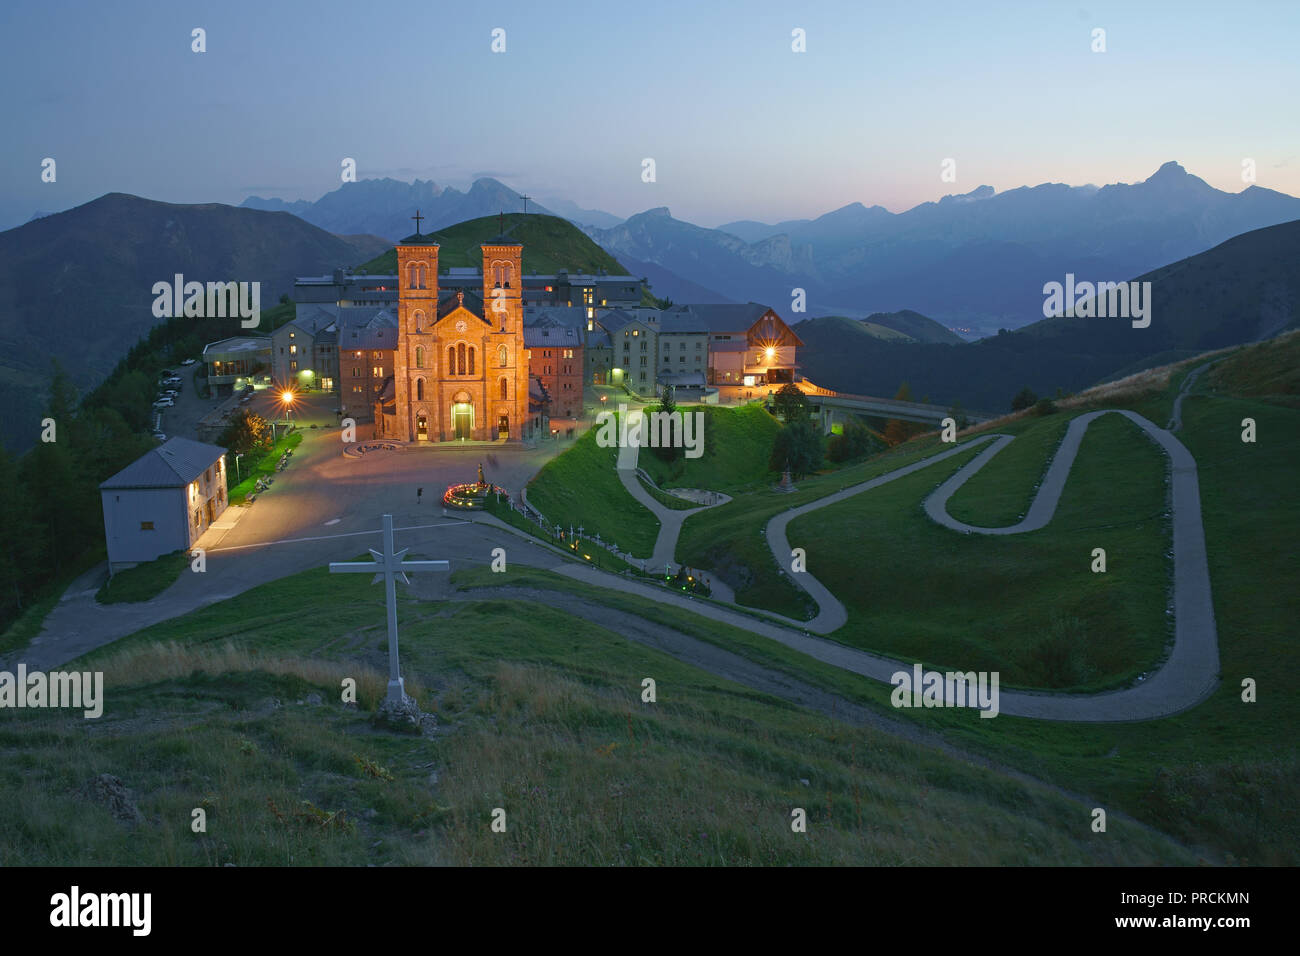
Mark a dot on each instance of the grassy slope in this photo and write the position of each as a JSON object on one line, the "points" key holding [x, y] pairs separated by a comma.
{"points": [[539, 713], [145, 581], [737, 447], [729, 539], [550, 244], [581, 487]]}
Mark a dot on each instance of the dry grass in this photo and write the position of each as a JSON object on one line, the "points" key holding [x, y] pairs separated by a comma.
{"points": [[169, 660]]}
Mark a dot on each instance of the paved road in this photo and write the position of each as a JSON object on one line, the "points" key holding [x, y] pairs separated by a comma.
{"points": [[670, 519], [271, 544], [1191, 672], [831, 615]]}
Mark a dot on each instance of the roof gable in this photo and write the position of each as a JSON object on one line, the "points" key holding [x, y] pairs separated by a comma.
{"points": [[171, 465]]}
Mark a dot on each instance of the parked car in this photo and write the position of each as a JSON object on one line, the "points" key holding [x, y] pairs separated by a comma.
{"points": [[159, 436], [174, 380], [188, 362]]}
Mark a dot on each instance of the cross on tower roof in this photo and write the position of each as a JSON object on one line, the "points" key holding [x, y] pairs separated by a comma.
{"points": [[390, 566], [418, 219]]}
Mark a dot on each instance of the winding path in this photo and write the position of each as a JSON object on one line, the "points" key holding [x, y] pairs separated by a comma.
{"points": [[1191, 672]]}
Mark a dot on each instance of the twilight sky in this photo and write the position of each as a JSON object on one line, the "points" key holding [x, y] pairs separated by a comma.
{"points": [[740, 127]]}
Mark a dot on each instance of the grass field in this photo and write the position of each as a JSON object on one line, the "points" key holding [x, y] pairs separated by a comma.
{"points": [[581, 487], [144, 581], [1028, 605], [737, 446], [539, 714], [730, 541], [252, 469]]}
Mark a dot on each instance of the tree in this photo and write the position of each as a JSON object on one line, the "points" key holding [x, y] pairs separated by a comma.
{"points": [[668, 400], [798, 446], [1023, 399], [855, 441], [246, 432], [790, 403], [898, 431]]}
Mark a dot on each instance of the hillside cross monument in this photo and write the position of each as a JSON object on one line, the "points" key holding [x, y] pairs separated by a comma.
{"points": [[390, 566]]}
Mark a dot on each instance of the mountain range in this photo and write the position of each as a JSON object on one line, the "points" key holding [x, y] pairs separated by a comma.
{"points": [[385, 207], [977, 260], [1242, 290], [77, 285]]}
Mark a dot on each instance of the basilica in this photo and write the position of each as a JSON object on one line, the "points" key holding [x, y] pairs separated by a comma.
{"points": [[460, 370]]}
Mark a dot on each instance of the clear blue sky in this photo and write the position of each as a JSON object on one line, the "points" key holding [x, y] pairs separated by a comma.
{"points": [[738, 124]]}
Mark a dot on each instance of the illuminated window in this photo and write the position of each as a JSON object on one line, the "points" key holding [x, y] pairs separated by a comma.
{"points": [[146, 525]]}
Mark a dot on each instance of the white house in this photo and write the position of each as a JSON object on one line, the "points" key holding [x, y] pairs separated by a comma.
{"points": [[163, 501]]}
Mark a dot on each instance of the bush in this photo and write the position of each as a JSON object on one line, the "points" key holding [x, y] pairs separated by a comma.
{"points": [[1044, 406], [798, 446], [1024, 398], [855, 442]]}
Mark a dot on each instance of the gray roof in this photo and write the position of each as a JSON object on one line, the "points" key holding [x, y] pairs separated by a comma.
{"points": [[551, 336], [311, 317], [365, 316], [615, 319], [574, 316], [682, 323], [239, 343], [682, 379], [173, 465], [720, 318]]}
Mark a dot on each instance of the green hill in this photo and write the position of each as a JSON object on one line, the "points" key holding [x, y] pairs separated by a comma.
{"points": [[914, 325], [550, 245]]}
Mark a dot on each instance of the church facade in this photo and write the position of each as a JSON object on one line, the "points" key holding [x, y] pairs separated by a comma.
{"points": [[459, 370]]}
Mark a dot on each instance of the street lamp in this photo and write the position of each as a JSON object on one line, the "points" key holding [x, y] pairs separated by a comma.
{"points": [[237, 457]]}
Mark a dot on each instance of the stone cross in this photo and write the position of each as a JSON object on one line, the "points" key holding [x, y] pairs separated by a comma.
{"points": [[389, 565], [418, 219]]}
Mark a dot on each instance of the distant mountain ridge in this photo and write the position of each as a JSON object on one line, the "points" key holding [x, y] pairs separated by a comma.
{"points": [[385, 207], [975, 259], [1242, 290], [77, 285]]}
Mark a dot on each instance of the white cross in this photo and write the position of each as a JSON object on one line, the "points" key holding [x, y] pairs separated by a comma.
{"points": [[390, 566]]}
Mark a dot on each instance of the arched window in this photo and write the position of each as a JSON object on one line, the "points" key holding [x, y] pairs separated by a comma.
{"points": [[412, 276], [502, 355], [423, 275], [506, 272], [503, 389], [471, 360], [451, 360], [419, 389], [419, 356], [496, 275], [460, 359], [419, 321]]}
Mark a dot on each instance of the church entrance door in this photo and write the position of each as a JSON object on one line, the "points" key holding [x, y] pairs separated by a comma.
{"points": [[503, 427], [421, 428], [462, 419]]}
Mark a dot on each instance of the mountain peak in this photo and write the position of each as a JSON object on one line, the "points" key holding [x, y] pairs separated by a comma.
{"points": [[659, 211], [1169, 172]]}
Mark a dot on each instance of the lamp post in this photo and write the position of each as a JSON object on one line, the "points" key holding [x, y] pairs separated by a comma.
{"points": [[237, 476]]}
